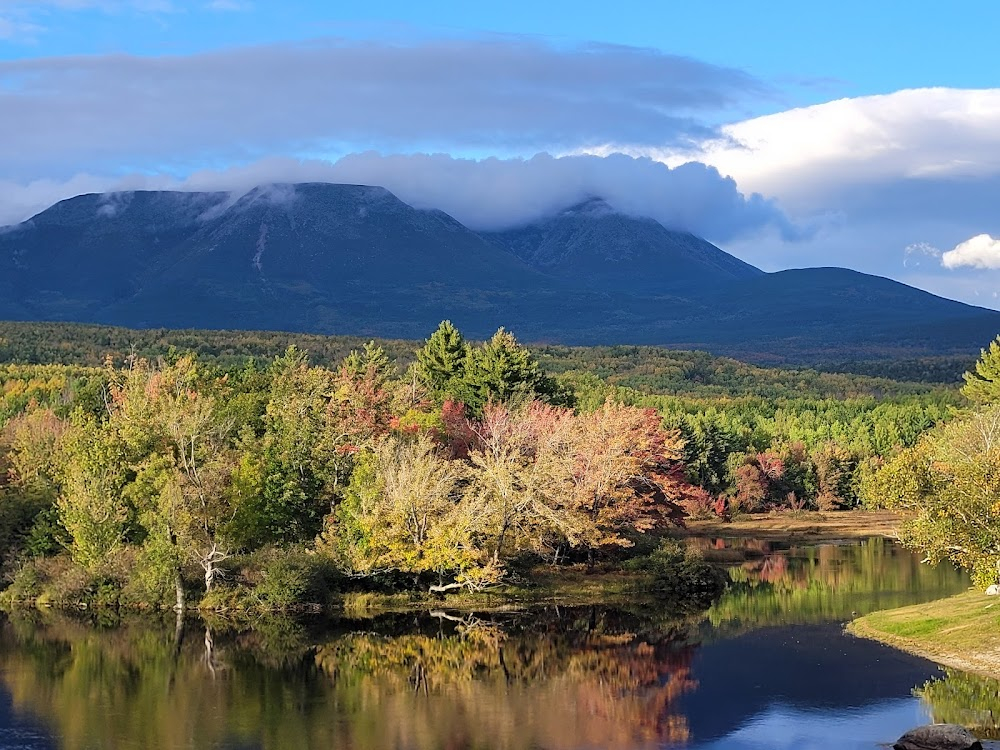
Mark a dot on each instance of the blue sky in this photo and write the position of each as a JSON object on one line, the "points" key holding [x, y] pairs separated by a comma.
{"points": [[861, 134]]}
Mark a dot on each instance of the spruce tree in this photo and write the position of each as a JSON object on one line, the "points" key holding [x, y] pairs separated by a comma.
{"points": [[441, 362], [503, 370]]}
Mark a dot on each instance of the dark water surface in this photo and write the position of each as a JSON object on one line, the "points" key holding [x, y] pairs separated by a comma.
{"points": [[768, 667]]}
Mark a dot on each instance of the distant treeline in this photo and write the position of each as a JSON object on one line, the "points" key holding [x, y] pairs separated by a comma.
{"points": [[648, 369]]}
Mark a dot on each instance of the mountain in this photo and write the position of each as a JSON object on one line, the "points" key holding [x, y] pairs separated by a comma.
{"points": [[355, 259], [591, 245]]}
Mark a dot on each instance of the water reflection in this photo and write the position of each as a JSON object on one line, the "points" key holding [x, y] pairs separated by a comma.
{"points": [[781, 584], [963, 698], [566, 679], [554, 678]]}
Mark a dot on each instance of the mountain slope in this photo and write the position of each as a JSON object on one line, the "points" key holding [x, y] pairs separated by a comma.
{"points": [[355, 259], [83, 253], [593, 246]]}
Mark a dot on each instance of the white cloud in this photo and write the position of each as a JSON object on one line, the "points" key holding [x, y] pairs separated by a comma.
{"points": [[485, 194], [873, 174], [981, 251], [804, 155]]}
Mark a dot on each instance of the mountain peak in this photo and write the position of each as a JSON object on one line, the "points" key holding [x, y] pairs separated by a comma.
{"points": [[591, 207], [605, 249]]}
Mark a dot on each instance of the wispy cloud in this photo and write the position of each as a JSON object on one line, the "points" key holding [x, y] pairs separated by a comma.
{"points": [[913, 255], [498, 94], [25, 22], [228, 5]]}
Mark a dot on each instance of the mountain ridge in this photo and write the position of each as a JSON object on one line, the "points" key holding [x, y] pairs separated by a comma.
{"points": [[355, 259]]}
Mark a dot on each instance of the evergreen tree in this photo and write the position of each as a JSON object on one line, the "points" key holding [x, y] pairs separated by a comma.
{"points": [[502, 370], [983, 385], [441, 362]]}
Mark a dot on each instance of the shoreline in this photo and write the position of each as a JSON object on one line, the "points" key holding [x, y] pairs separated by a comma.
{"points": [[798, 527], [954, 632], [568, 585]]}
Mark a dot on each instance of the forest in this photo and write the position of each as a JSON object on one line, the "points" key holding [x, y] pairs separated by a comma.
{"points": [[175, 473]]}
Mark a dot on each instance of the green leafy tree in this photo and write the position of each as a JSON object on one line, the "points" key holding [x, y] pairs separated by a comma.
{"points": [[282, 479], [93, 474], [951, 481]]}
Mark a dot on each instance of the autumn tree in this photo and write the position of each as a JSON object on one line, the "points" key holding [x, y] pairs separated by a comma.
{"points": [[544, 477], [400, 513], [519, 478], [628, 474], [835, 468], [362, 402]]}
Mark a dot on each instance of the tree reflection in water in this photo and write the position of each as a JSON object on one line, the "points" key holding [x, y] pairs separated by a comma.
{"points": [[964, 698], [556, 679], [553, 678]]}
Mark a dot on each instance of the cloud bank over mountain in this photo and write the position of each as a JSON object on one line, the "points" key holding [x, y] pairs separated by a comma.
{"points": [[484, 194], [875, 176]]}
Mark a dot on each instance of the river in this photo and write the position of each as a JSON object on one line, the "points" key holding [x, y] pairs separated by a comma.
{"points": [[767, 667]]}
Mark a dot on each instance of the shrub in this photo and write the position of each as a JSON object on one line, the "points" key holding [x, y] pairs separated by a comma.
{"points": [[294, 578], [682, 572]]}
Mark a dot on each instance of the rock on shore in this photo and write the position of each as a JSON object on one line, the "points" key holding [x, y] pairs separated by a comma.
{"points": [[938, 737]]}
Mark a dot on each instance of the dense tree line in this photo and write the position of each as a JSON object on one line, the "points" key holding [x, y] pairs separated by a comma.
{"points": [[950, 480], [471, 459], [446, 474], [648, 369]]}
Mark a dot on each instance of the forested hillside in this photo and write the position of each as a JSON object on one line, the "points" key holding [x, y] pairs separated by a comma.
{"points": [[646, 368]]}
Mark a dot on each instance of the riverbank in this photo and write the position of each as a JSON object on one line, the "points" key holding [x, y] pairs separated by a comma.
{"points": [[800, 526], [958, 632], [291, 585]]}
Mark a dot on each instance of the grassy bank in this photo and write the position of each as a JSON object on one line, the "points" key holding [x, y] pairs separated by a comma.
{"points": [[958, 632], [801, 526]]}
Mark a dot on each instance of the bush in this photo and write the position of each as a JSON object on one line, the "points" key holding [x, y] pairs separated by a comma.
{"points": [[284, 579], [682, 572], [26, 584], [62, 583]]}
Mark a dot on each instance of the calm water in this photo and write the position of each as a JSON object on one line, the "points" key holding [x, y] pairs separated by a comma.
{"points": [[767, 667]]}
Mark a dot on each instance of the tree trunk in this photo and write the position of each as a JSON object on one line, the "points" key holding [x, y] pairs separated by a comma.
{"points": [[209, 657], [439, 588], [178, 632], [209, 574], [179, 590]]}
